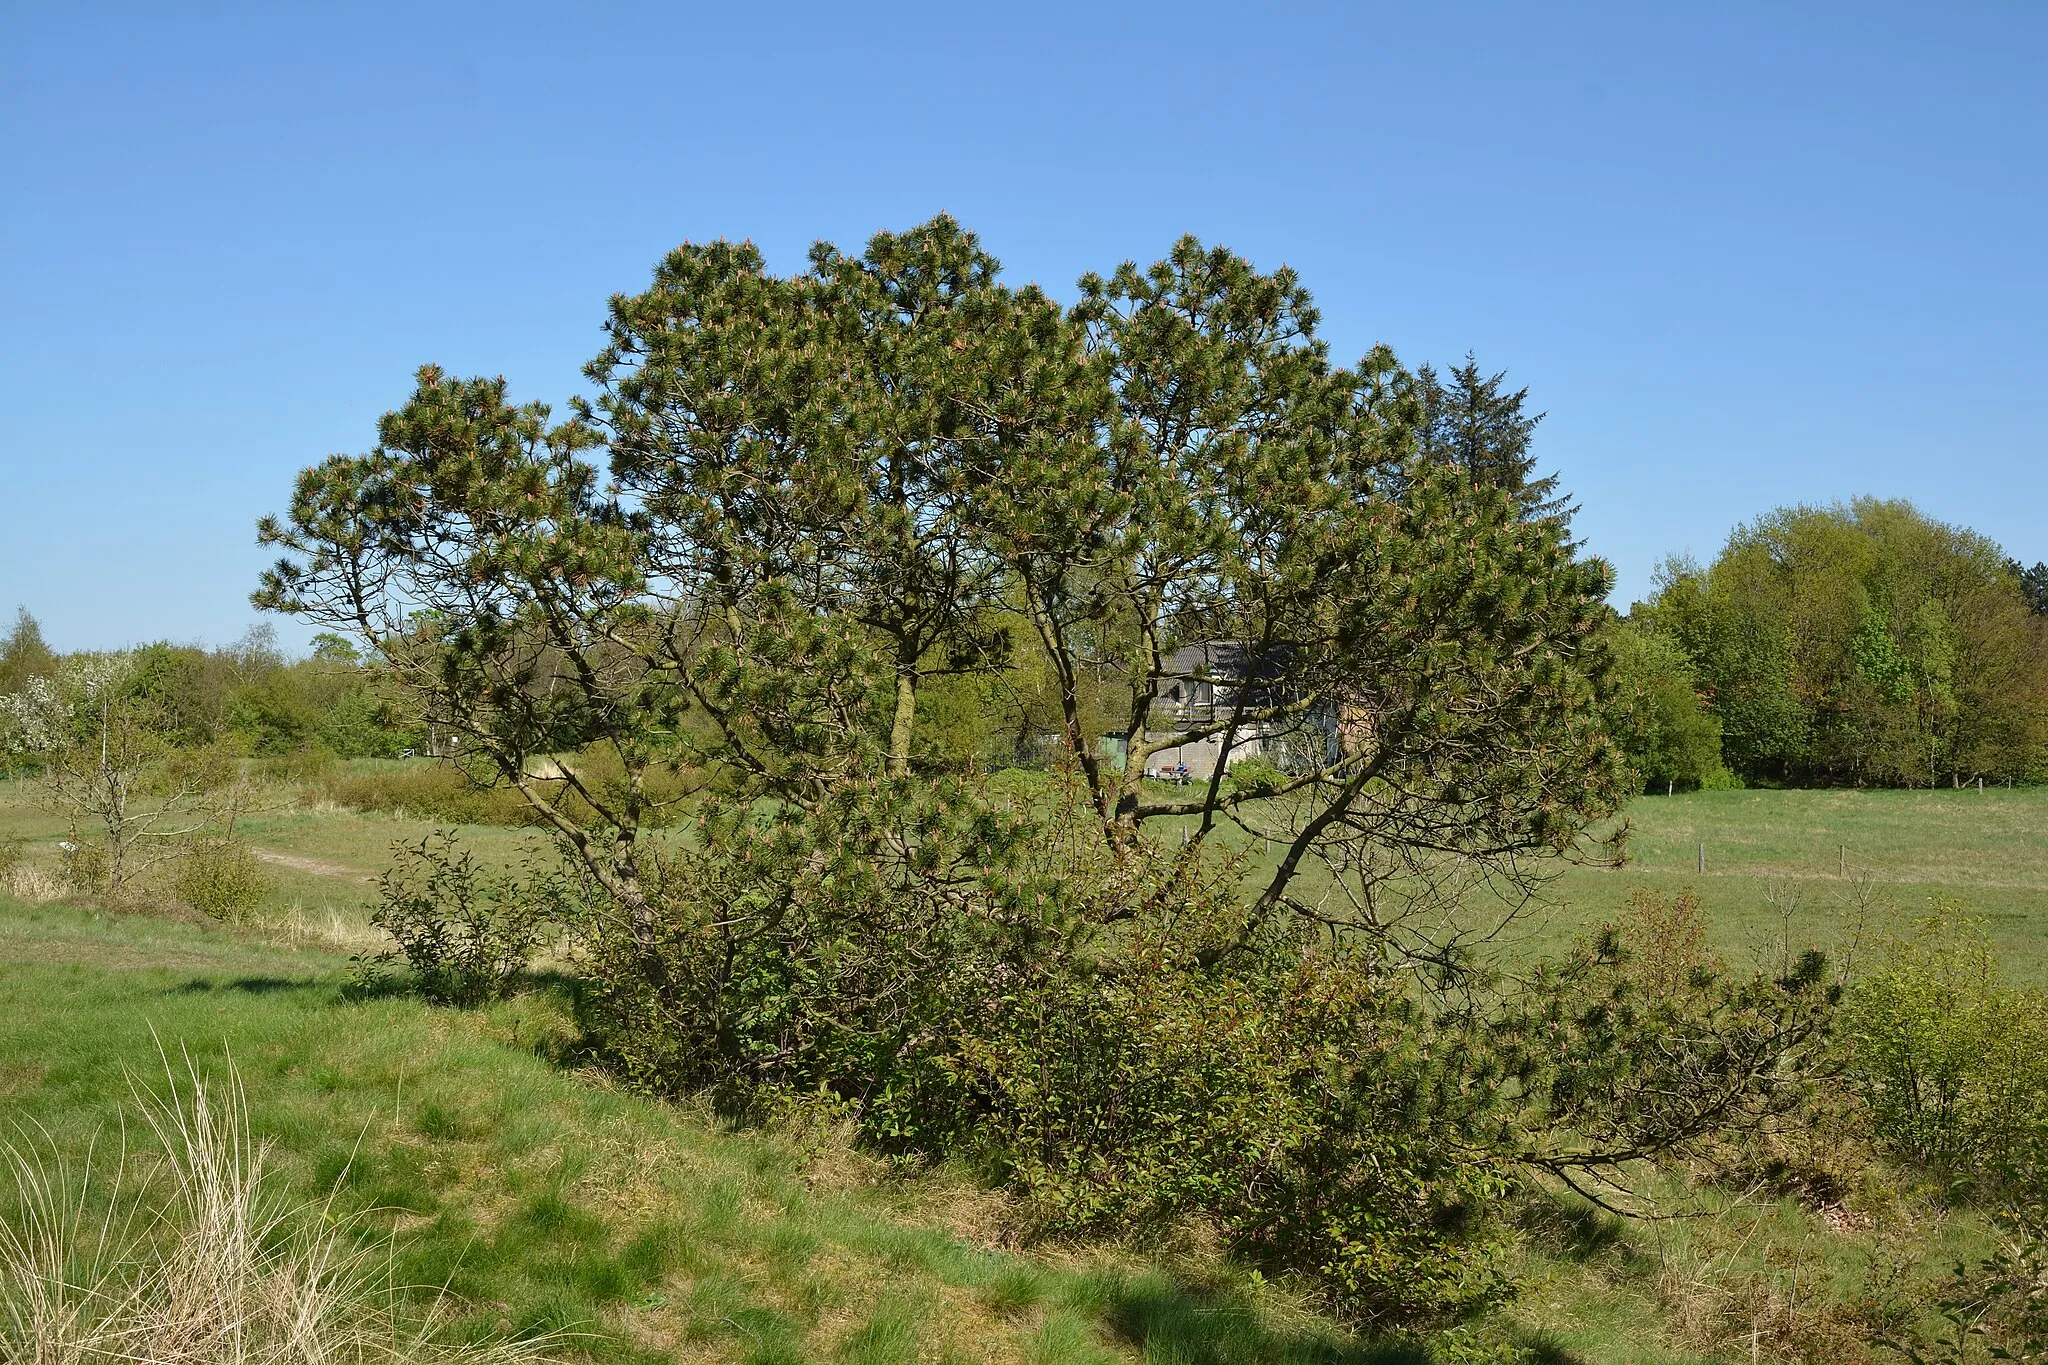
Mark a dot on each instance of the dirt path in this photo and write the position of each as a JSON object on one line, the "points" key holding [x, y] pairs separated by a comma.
{"points": [[311, 865]]}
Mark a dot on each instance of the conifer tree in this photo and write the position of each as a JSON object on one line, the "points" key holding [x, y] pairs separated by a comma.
{"points": [[1470, 422]]}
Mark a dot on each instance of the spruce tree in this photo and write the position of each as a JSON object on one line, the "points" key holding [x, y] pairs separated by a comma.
{"points": [[2033, 586], [1470, 422]]}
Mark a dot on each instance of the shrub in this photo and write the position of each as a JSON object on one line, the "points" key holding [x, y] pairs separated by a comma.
{"points": [[429, 790], [1285, 1099], [222, 878], [1045, 1008], [1950, 1060], [1106, 1031], [13, 851], [84, 864], [466, 934], [1256, 775], [311, 763]]}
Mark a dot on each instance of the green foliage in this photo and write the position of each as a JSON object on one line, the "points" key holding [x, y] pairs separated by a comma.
{"points": [[24, 654], [1863, 644], [452, 793], [837, 502], [1050, 1015], [1951, 1061], [103, 748], [1471, 424], [2033, 585], [221, 877], [1256, 776], [465, 933], [1671, 738], [1993, 1309], [1641, 1046]]}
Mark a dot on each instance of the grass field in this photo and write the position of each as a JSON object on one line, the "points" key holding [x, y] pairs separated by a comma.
{"points": [[1768, 851], [544, 1199], [1817, 865]]}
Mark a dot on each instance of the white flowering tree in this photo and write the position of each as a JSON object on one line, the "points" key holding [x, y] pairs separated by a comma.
{"points": [[105, 762]]}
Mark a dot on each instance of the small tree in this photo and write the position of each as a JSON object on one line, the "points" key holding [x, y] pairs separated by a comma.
{"points": [[24, 654], [1671, 738], [106, 761]]}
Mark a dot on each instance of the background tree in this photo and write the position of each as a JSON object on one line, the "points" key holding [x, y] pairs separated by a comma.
{"points": [[24, 654], [1469, 422], [106, 758], [1863, 643], [2033, 586], [1671, 738]]}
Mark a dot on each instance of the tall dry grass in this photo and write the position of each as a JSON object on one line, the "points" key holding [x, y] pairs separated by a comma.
{"points": [[198, 1259]]}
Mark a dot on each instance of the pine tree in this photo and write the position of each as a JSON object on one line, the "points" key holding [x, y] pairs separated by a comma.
{"points": [[2033, 586], [1469, 422]]}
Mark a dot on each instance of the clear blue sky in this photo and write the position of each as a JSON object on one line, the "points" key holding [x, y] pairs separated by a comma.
{"points": [[1743, 255]]}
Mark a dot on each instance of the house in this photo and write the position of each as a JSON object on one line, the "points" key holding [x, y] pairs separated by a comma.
{"points": [[1205, 683]]}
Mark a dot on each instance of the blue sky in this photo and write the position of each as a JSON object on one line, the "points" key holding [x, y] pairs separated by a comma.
{"points": [[1743, 255]]}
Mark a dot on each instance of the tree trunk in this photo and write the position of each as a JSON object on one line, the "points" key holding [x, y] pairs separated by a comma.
{"points": [[905, 722]]}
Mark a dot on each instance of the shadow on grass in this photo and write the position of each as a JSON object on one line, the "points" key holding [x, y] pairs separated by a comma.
{"points": [[251, 985], [1195, 1325]]}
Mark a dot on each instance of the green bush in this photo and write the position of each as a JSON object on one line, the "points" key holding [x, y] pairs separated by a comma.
{"points": [[222, 878], [1284, 1099], [1256, 775], [466, 934], [311, 764], [1951, 1061], [1104, 1031], [1054, 1013]]}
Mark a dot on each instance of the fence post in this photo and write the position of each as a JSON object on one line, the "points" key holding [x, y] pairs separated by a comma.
{"points": [[1703, 858], [1842, 861]]}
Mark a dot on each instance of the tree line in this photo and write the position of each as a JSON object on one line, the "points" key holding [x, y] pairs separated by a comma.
{"points": [[1858, 644], [248, 696]]}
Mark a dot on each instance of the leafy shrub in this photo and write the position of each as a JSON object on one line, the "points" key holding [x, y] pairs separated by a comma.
{"points": [[1950, 1060], [1256, 775], [466, 934], [310, 764], [13, 852], [1642, 1045], [1284, 1097], [1107, 1033], [429, 790], [222, 878]]}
